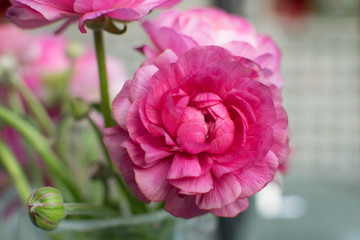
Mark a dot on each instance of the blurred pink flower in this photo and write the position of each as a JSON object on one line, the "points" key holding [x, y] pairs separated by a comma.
{"points": [[196, 131], [32, 13], [49, 59], [40, 60], [15, 42], [181, 31], [85, 68]]}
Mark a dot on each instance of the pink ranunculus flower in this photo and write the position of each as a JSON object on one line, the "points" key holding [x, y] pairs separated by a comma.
{"points": [[33, 13], [196, 131], [181, 31]]}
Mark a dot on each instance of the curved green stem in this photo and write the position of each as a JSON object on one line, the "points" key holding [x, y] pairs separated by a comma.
{"points": [[100, 54], [100, 137], [14, 169], [100, 224], [136, 205], [15, 101], [42, 146], [85, 209], [37, 109]]}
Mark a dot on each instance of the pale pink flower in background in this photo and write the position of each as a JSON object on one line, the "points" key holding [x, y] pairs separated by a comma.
{"points": [[181, 31], [85, 69], [196, 131], [49, 60], [15, 43], [32, 13], [40, 60]]}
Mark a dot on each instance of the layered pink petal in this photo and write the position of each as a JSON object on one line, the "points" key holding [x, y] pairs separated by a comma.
{"points": [[193, 185], [184, 165], [140, 83], [222, 135], [152, 181], [226, 190], [121, 105], [256, 177], [173, 107], [113, 139], [180, 31], [183, 206], [232, 209], [152, 148]]}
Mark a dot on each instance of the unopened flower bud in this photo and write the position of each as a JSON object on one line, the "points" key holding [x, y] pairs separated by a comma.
{"points": [[46, 208], [79, 108]]}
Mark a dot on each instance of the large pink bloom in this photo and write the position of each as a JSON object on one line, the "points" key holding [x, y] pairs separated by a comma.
{"points": [[180, 31], [35, 13], [196, 132]]}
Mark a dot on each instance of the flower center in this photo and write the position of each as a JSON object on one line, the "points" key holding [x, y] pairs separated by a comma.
{"points": [[205, 126]]}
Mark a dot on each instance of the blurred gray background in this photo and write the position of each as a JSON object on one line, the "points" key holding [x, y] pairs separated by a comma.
{"points": [[321, 68]]}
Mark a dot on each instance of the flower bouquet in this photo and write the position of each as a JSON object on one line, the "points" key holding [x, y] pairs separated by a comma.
{"points": [[198, 129]]}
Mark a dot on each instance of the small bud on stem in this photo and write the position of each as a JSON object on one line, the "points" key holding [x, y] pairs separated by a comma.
{"points": [[46, 208]]}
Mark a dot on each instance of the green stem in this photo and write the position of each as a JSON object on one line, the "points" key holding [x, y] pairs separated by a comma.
{"points": [[15, 102], [37, 109], [100, 224], [100, 54], [85, 209], [42, 146], [62, 144], [100, 137], [136, 205], [14, 169]]}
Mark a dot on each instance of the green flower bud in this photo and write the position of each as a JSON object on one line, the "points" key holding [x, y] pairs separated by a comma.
{"points": [[46, 208], [79, 108]]}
